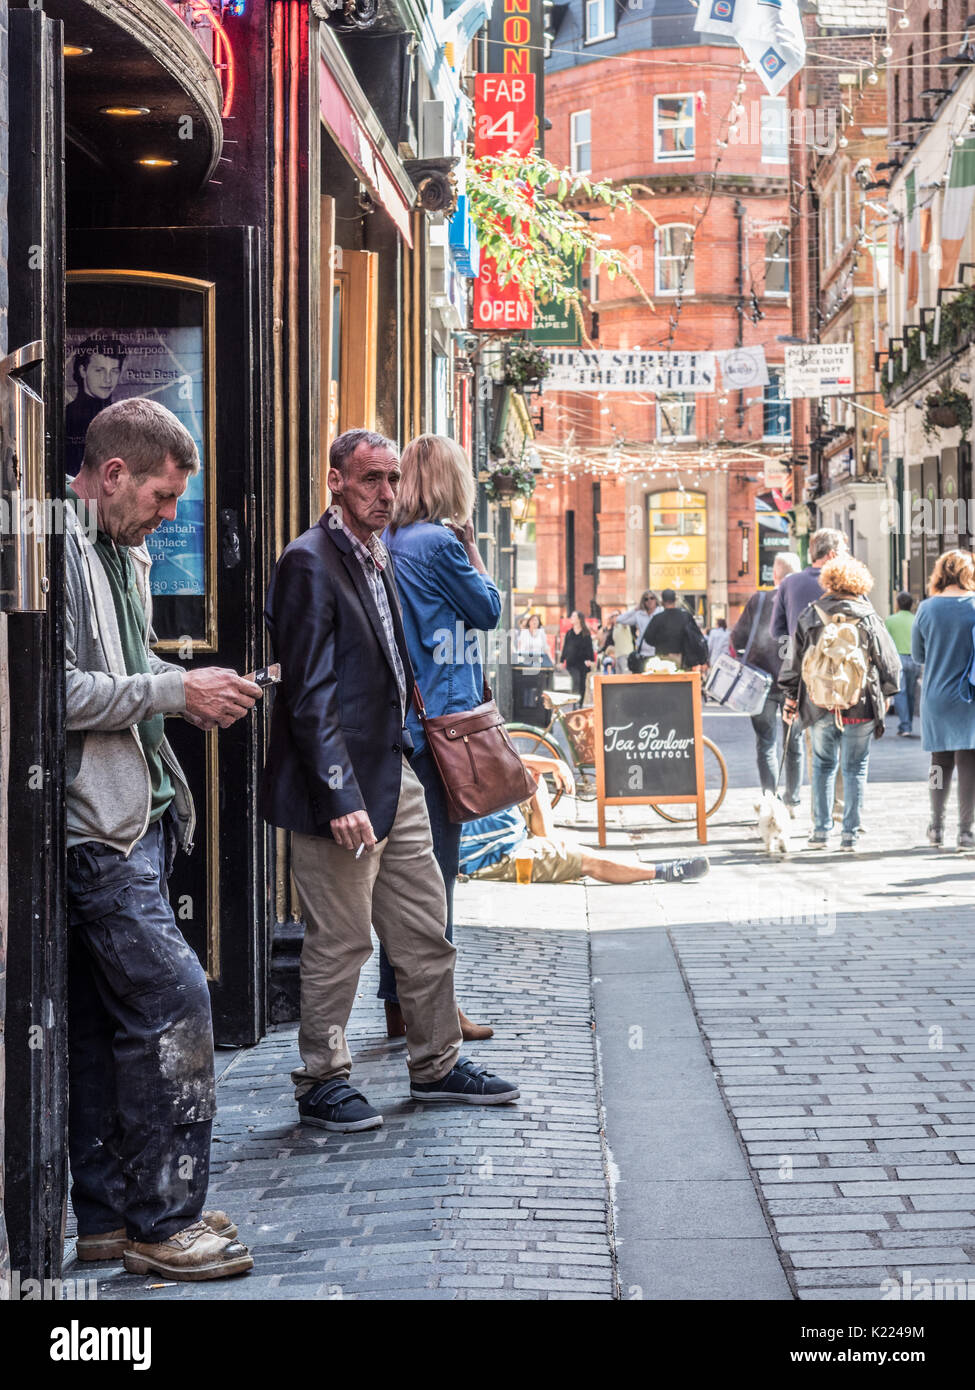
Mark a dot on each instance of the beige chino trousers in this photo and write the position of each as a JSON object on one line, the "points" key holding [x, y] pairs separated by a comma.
{"points": [[398, 890]]}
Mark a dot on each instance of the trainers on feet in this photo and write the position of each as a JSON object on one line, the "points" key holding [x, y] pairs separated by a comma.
{"points": [[467, 1083], [111, 1244], [848, 844], [338, 1106], [817, 842], [194, 1253], [936, 835], [682, 870], [966, 840]]}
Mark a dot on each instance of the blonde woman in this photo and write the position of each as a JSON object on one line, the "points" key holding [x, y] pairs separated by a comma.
{"points": [[845, 583], [941, 641], [446, 596]]}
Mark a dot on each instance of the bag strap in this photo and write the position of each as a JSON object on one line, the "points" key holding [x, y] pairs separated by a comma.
{"points": [[754, 628], [420, 708]]}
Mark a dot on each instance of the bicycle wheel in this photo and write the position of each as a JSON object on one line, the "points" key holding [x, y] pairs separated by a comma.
{"points": [[531, 742], [715, 786]]}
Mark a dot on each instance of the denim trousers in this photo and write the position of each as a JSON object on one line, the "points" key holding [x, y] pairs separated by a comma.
{"points": [[140, 1045], [831, 749], [446, 851], [766, 726], [904, 699]]}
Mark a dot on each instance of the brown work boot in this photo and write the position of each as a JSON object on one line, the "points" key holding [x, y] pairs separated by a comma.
{"points": [[111, 1245], [194, 1253], [473, 1032]]}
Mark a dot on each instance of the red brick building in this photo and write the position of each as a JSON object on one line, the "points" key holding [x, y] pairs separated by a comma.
{"points": [[643, 490]]}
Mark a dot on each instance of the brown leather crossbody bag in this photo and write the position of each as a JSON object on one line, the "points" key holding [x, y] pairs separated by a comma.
{"points": [[478, 764]]}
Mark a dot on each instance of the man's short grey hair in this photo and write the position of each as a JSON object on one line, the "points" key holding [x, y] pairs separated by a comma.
{"points": [[144, 434], [345, 445], [824, 542], [787, 562]]}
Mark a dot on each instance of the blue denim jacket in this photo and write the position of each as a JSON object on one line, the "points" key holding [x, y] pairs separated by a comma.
{"points": [[445, 601]]}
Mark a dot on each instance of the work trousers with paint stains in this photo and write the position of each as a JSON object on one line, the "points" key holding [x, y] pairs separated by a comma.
{"points": [[140, 1044]]}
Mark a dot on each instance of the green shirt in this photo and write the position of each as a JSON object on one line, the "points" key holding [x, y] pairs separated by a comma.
{"points": [[131, 626], [899, 626]]}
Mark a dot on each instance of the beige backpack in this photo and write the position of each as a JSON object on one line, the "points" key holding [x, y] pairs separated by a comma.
{"points": [[835, 668]]}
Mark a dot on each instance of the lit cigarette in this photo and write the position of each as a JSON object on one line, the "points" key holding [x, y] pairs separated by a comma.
{"points": [[360, 849]]}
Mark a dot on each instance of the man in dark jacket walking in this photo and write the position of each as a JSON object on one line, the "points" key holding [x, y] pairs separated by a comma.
{"points": [[754, 627], [338, 777], [674, 635]]}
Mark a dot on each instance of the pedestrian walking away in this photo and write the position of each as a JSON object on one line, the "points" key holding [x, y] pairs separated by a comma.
{"points": [[674, 635], [639, 617], [338, 776], [446, 597], [719, 640], [140, 1040], [843, 655], [899, 625], [942, 642], [755, 627]]}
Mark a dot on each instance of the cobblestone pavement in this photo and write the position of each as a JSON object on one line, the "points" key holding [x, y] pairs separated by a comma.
{"points": [[785, 1105], [441, 1202]]}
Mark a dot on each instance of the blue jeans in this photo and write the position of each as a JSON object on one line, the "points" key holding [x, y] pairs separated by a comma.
{"points": [[766, 726], [831, 747], [904, 699], [140, 1046], [446, 851]]}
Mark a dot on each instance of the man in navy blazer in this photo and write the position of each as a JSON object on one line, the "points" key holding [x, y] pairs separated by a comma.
{"points": [[338, 777]]}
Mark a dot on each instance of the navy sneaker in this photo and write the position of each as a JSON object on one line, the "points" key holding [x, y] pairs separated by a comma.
{"points": [[338, 1106], [468, 1084], [681, 870]]}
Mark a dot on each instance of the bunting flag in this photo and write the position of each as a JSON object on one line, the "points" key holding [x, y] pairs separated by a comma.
{"points": [[912, 239], [768, 32], [957, 210]]}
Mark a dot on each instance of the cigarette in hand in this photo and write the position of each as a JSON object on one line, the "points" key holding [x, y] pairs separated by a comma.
{"points": [[360, 849]]}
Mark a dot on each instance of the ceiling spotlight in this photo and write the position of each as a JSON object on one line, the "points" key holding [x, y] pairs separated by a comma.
{"points": [[155, 162], [124, 110]]}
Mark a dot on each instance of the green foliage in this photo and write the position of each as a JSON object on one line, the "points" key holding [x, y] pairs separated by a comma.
{"points": [[957, 330], [507, 479], [520, 207], [523, 362], [941, 405]]}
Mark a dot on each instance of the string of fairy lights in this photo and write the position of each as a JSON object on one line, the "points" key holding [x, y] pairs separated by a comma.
{"points": [[584, 449]]}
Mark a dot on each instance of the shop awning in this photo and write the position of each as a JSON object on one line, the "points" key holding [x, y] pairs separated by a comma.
{"points": [[354, 127]]}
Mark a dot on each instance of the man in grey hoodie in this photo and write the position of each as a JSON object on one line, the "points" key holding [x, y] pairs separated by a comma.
{"points": [[140, 1039]]}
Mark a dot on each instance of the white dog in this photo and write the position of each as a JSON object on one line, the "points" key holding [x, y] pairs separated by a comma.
{"points": [[774, 823]]}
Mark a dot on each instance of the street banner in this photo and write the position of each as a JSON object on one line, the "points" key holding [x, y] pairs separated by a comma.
{"points": [[818, 369], [957, 210], [768, 32], [743, 367], [630, 371]]}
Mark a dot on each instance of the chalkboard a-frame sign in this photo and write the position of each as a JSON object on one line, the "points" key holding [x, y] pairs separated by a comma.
{"points": [[649, 747]]}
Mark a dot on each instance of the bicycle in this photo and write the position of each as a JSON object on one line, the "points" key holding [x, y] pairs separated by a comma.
{"points": [[579, 732]]}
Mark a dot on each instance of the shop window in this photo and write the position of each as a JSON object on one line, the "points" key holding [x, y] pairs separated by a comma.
{"points": [[772, 532], [676, 417], [775, 130], [673, 127], [675, 259], [580, 142], [777, 262], [600, 20], [776, 409], [677, 533]]}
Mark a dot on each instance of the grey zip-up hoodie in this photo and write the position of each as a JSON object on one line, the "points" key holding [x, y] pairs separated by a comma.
{"points": [[109, 790]]}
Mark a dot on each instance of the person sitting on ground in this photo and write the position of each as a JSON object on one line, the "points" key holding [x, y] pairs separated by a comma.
{"points": [[490, 846]]}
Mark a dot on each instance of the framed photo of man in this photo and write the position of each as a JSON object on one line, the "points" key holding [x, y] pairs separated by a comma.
{"points": [[139, 333]]}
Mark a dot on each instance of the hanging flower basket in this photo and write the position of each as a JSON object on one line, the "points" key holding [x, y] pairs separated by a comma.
{"points": [[524, 365], [947, 408], [508, 480]]}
